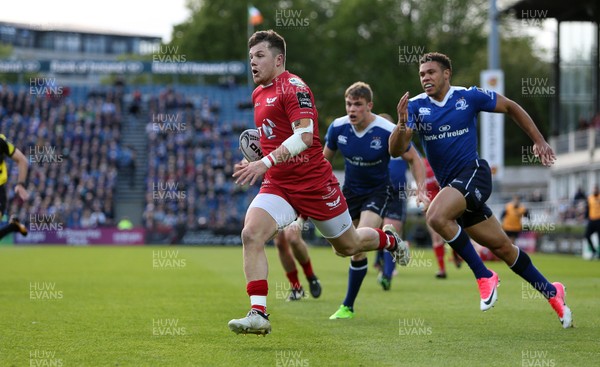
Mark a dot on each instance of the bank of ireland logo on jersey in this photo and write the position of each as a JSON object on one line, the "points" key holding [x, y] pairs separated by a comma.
{"points": [[461, 104], [444, 128]]}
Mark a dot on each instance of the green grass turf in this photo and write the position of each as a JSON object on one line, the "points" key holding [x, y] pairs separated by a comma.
{"points": [[107, 301]]}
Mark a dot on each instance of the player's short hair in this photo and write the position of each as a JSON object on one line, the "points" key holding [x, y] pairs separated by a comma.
{"points": [[359, 90], [274, 39], [440, 58]]}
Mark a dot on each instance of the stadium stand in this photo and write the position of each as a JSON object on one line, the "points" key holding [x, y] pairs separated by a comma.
{"points": [[193, 146], [73, 148]]}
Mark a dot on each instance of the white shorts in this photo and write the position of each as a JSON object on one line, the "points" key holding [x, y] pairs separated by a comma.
{"points": [[283, 213]]}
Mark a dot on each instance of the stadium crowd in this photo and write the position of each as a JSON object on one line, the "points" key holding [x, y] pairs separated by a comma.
{"points": [[191, 154], [73, 150]]}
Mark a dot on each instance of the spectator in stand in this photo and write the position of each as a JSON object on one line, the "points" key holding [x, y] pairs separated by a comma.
{"points": [[536, 196], [593, 216], [579, 195], [512, 217]]}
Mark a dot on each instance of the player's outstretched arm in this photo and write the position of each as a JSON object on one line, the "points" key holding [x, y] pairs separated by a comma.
{"points": [[401, 135], [541, 148], [23, 167]]}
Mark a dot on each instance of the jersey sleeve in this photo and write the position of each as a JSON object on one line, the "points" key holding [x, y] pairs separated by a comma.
{"points": [[298, 100], [483, 99], [6, 147], [331, 138]]}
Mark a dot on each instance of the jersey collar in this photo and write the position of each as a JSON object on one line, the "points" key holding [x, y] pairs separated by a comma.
{"points": [[446, 98]]}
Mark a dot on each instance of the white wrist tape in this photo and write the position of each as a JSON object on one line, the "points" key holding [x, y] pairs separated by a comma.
{"points": [[300, 130], [294, 143], [269, 160]]}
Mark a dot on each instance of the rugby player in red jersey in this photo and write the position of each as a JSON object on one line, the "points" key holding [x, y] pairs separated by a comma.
{"points": [[297, 178]]}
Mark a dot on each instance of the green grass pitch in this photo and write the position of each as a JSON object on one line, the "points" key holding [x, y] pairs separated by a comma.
{"points": [[169, 306]]}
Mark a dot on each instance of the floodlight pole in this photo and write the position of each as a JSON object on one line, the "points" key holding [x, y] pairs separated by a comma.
{"points": [[250, 31], [493, 39]]}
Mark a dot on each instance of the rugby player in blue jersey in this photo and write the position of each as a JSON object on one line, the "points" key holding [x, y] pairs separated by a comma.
{"points": [[395, 214], [362, 138], [445, 119]]}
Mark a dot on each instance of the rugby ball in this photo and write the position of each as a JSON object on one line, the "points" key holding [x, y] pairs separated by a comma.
{"points": [[250, 145]]}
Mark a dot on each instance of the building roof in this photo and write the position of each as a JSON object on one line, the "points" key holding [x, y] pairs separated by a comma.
{"points": [[571, 10], [73, 28]]}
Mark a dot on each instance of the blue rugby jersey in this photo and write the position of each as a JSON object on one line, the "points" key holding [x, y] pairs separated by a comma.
{"points": [[447, 129], [366, 153]]}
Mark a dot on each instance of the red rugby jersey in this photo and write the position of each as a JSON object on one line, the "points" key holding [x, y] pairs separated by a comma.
{"points": [[276, 106]]}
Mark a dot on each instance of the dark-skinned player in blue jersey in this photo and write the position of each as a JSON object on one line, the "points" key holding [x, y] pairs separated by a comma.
{"points": [[445, 117]]}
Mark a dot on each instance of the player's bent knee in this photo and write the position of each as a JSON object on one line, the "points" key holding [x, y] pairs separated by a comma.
{"points": [[435, 221], [294, 239], [253, 237], [341, 250]]}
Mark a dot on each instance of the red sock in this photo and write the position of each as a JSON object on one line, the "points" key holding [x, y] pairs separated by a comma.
{"points": [[383, 240], [258, 290], [439, 254], [308, 270], [293, 278]]}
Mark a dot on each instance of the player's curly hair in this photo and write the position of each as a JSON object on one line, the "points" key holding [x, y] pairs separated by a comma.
{"points": [[360, 90], [274, 39], [440, 58]]}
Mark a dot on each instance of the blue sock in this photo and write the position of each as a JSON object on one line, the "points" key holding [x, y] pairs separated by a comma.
{"points": [[356, 274], [379, 257], [525, 269], [463, 246], [388, 265]]}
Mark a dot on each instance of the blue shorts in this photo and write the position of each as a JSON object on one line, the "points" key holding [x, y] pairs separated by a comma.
{"points": [[396, 208], [475, 183], [376, 202]]}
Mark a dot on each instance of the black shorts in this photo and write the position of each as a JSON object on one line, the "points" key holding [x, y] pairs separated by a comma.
{"points": [[396, 208], [593, 226], [375, 202], [3, 200], [475, 183]]}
